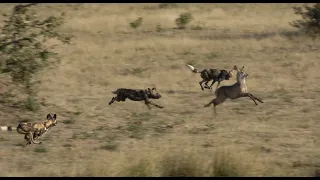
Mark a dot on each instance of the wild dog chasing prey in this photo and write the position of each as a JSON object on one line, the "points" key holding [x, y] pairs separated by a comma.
{"points": [[235, 91], [215, 75], [33, 131], [136, 95]]}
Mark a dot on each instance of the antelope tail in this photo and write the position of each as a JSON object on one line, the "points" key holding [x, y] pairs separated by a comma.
{"points": [[193, 69], [7, 128]]}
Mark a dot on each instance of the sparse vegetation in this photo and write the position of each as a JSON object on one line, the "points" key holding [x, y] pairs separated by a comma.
{"points": [[40, 150], [110, 146], [128, 139], [159, 28], [137, 23], [183, 20], [23, 47], [167, 5], [310, 22]]}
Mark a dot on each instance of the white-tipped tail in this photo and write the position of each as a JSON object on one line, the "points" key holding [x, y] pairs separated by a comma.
{"points": [[7, 128], [4, 128], [114, 92], [193, 69]]}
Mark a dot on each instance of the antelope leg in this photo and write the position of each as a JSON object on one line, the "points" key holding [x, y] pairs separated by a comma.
{"points": [[248, 95], [256, 98]]}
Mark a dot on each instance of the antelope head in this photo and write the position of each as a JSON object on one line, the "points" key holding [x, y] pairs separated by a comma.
{"points": [[241, 74]]}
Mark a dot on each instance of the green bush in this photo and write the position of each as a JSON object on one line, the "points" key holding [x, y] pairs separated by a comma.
{"points": [[167, 5], [183, 20], [31, 104], [137, 23], [310, 22], [23, 48]]}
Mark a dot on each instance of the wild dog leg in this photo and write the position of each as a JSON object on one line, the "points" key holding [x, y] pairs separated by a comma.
{"points": [[146, 100], [31, 139], [206, 85], [156, 105], [112, 100], [201, 84]]}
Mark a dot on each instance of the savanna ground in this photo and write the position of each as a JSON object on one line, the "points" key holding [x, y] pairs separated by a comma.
{"points": [[277, 138]]}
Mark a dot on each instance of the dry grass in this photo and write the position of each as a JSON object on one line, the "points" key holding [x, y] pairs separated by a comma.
{"points": [[277, 138]]}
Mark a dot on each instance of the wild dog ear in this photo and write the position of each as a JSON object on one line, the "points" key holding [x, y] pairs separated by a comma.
{"points": [[154, 88], [54, 117], [149, 89], [49, 117]]}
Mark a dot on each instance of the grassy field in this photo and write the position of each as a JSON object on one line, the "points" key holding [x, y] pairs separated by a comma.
{"points": [[277, 138]]}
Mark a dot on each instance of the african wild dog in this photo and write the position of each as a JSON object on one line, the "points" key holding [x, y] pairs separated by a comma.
{"points": [[136, 95], [211, 74], [33, 131], [235, 91]]}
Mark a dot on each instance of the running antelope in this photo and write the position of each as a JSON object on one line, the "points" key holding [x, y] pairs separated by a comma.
{"points": [[235, 91]]}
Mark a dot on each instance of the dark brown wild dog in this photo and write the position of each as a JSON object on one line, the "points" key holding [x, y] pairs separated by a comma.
{"points": [[33, 131], [235, 91], [136, 95], [215, 75]]}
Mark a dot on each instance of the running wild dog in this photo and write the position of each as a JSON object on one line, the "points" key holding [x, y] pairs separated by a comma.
{"points": [[136, 95], [33, 131], [235, 91], [211, 74]]}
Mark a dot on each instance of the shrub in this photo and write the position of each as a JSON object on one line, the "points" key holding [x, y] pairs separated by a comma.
{"points": [[167, 5], [40, 150], [31, 104], [183, 20], [135, 24], [180, 165], [23, 48], [310, 22], [159, 28]]}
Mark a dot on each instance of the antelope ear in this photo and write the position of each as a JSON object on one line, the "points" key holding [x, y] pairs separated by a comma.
{"points": [[235, 67], [49, 117], [54, 117]]}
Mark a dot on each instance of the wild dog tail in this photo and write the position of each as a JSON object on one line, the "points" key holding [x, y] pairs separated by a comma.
{"points": [[7, 128], [115, 91], [193, 69]]}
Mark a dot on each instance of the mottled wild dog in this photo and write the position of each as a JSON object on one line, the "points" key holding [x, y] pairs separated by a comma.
{"points": [[211, 74], [136, 95], [33, 131], [235, 91]]}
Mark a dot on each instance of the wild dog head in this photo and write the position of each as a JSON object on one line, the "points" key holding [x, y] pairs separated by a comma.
{"points": [[230, 74], [51, 120], [241, 74], [153, 94]]}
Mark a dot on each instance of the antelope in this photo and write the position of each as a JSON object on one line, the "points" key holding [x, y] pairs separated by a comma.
{"points": [[235, 91]]}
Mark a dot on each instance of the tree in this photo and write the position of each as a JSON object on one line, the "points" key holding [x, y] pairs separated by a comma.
{"points": [[310, 22], [23, 48]]}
